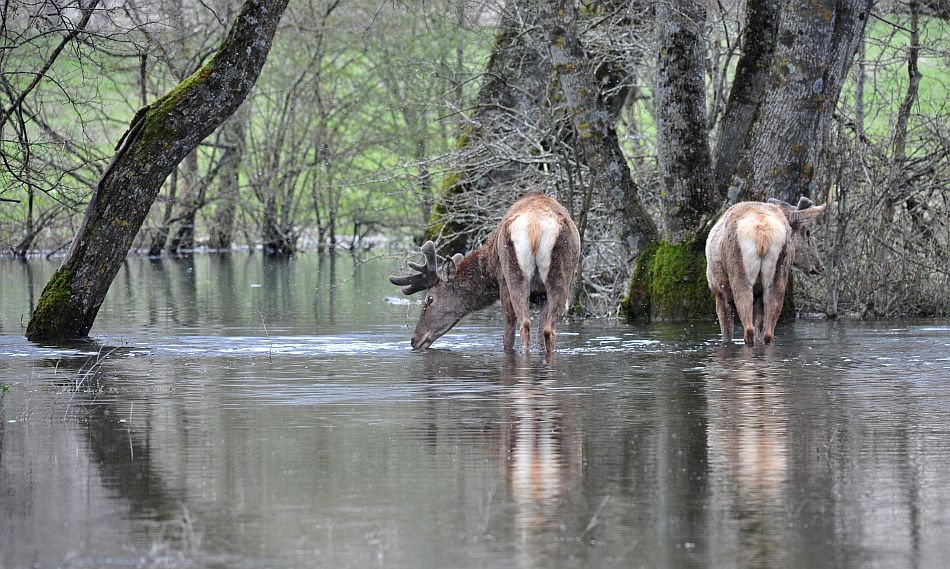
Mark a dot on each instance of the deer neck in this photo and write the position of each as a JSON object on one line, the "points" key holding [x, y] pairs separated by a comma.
{"points": [[476, 281]]}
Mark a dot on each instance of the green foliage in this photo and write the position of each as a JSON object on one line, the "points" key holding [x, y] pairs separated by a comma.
{"points": [[669, 283], [886, 72]]}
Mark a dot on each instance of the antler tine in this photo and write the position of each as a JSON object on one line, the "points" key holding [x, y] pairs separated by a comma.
{"points": [[431, 266], [426, 275]]}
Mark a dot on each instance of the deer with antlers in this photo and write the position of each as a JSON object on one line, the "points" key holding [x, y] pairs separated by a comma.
{"points": [[535, 249]]}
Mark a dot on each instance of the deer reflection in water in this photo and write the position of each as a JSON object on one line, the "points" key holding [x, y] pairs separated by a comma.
{"points": [[543, 451], [534, 436], [748, 444]]}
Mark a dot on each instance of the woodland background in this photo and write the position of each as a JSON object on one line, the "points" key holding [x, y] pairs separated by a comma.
{"points": [[379, 122]]}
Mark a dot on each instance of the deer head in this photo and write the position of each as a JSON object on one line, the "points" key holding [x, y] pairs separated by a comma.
{"points": [[443, 306], [800, 218]]}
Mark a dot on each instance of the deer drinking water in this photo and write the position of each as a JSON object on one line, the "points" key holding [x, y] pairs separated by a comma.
{"points": [[749, 253], [535, 249]]}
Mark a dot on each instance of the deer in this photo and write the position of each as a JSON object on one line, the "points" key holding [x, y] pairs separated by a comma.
{"points": [[535, 249], [749, 254]]}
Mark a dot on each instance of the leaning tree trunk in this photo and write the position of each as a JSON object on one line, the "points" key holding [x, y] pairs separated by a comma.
{"points": [[748, 88], [501, 132], [814, 44], [593, 123], [159, 137]]}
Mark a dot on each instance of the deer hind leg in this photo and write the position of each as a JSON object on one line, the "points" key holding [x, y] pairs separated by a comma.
{"points": [[773, 298], [554, 308], [518, 293], [558, 288], [743, 301], [514, 295], [508, 338], [758, 314]]}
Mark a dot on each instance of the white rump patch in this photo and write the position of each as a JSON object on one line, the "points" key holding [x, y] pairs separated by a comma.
{"points": [[542, 232], [760, 268]]}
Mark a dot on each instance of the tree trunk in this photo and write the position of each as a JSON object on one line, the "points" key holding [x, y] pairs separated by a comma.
{"points": [[159, 137], [188, 203], [814, 44], [681, 133], [277, 235], [232, 136], [160, 237]]}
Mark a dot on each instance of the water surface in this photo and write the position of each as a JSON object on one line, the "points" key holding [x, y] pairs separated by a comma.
{"points": [[237, 411]]}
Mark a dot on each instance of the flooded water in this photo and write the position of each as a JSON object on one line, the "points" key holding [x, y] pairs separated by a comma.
{"points": [[236, 411]]}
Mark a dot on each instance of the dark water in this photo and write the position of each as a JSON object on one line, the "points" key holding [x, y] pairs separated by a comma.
{"points": [[243, 412]]}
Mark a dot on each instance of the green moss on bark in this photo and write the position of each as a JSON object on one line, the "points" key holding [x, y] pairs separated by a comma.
{"points": [[669, 283], [55, 313]]}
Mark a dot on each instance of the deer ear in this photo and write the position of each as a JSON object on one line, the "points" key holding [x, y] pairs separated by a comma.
{"points": [[811, 212], [787, 208], [804, 203], [451, 266], [794, 216]]}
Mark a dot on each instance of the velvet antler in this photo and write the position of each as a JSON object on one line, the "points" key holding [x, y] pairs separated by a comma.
{"points": [[426, 275]]}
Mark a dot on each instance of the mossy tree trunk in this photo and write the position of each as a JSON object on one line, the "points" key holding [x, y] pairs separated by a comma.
{"points": [[159, 137], [669, 281]]}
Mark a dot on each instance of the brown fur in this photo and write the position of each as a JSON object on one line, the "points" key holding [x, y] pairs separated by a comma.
{"points": [[762, 234]]}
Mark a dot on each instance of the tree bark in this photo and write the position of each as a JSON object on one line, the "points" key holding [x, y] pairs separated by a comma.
{"points": [[159, 137], [748, 87], [814, 44], [509, 108], [682, 141]]}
